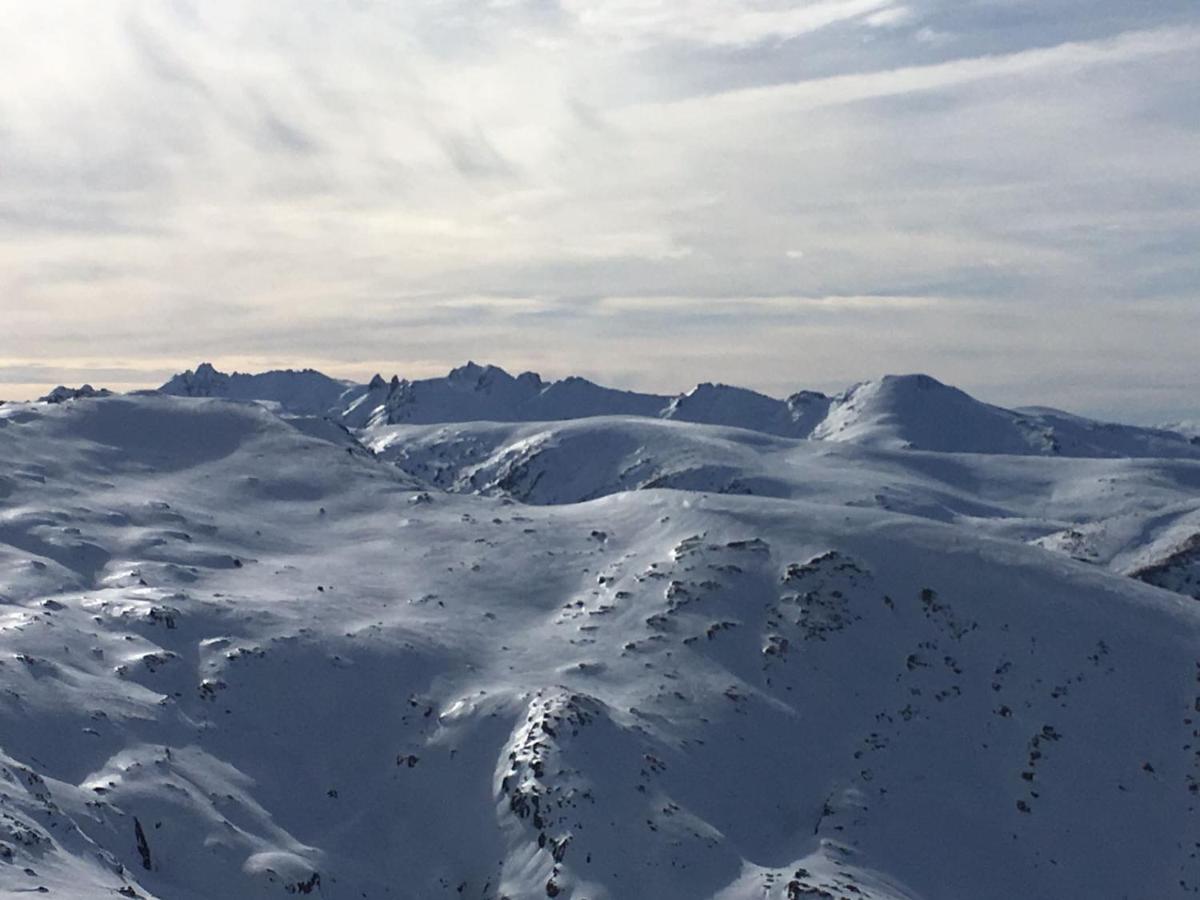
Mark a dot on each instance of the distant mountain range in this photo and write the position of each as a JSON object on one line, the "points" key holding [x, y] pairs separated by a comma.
{"points": [[914, 412]]}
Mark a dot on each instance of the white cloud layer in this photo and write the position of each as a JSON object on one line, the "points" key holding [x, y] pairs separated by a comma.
{"points": [[777, 194]]}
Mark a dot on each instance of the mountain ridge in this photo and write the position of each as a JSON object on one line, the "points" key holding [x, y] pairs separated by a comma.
{"points": [[915, 412]]}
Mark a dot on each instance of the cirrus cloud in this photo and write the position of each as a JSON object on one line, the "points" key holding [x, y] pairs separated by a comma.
{"points": [[639, 190]]}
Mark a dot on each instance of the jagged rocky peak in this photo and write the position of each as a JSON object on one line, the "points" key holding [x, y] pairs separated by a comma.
{"points": [[704, 389], [62, 393], [196, 382], [478, 377], [206, 372], [470, 369], [380, 385], [191, 381]]}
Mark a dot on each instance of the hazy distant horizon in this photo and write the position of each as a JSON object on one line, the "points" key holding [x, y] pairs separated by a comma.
{"points": [[19, 392]]}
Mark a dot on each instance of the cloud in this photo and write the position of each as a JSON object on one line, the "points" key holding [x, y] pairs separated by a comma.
{"points": [[712, 22], [663, 191], [858, 87]]}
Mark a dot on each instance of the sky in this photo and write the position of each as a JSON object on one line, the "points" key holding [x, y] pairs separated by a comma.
{"points": [[1004, 194]]}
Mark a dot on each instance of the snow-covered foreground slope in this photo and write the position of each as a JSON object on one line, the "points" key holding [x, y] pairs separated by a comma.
{"points": [[242, 657]]}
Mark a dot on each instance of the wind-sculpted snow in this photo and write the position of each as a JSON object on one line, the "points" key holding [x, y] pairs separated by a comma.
{"points": [[240, 656]]}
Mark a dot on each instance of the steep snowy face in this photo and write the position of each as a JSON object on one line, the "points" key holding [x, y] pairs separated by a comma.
{"points": [[305, 392], [240, 656]]}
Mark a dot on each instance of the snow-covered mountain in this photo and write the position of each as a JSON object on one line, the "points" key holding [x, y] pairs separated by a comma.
{"points": [[305, 392], [245, 652], [720, 404], [919, 412], [488, 393], [896, 411]]}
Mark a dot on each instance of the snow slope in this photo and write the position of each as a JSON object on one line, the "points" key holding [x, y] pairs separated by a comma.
{"points": [[242, 656]]}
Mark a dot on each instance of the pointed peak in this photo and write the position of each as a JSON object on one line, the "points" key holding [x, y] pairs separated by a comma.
{"points": [[377, 383]]}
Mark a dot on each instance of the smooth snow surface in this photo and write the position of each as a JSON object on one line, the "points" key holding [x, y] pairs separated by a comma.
{"points": [[246, 652]]}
